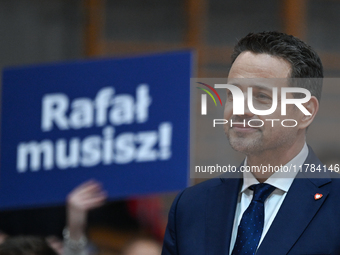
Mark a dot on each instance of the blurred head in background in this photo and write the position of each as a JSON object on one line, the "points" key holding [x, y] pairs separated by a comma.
{"points": [[26, 245], [143, 246]]}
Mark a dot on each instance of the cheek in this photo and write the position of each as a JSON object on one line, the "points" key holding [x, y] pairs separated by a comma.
{"points": [[294, 113], [228, 111], [275, 115], [278, 131]]}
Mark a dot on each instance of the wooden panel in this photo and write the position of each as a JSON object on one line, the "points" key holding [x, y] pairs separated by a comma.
{"points": [[133, 47], [294, 17], [94, 26]]}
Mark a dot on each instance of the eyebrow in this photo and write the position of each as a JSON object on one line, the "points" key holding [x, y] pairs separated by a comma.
{"points": [[256, 86]]}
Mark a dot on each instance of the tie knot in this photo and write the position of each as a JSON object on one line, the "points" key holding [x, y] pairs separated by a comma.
{"points": [[262, 191]]}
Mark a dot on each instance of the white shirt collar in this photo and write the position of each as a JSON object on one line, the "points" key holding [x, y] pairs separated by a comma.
{"points": [[280, 180]]}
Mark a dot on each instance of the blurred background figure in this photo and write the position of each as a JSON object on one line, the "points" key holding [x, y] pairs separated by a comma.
{"points": [[90, 195], [86, 208], [80, 201], [142, 246], [3, 237], [26, 245]]}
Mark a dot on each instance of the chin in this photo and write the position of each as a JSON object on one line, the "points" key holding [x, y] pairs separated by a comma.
{"points": [[245, 145]]}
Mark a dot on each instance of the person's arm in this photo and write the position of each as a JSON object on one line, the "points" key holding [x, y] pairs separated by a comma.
{"points": [[83, 198]]}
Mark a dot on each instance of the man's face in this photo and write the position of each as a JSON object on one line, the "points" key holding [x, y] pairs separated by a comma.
{"points": [[250, 140]]}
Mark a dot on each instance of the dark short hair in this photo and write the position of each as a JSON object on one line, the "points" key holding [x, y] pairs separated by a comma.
{"points": [[305, 62], [26, 245]]}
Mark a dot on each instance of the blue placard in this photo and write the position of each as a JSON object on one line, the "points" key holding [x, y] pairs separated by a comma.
{"points": [[123, 122]]}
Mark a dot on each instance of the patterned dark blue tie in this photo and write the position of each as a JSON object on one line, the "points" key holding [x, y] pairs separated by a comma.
{"points": [[251, 225]]}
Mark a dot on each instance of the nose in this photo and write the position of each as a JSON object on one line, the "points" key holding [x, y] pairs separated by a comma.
{"points": [[247, 112]]}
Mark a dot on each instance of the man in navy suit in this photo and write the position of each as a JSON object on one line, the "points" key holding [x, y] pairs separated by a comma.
{"points": [[299, 211]]}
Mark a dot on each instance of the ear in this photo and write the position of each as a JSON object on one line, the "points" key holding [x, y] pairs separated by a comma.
{"points": [[312, 106]]}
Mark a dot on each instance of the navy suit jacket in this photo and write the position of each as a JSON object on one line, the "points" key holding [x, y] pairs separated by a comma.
{"points": [[201, 217]]}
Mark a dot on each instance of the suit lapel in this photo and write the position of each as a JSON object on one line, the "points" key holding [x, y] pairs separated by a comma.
{"points": [[296, 212], [220, 212]]}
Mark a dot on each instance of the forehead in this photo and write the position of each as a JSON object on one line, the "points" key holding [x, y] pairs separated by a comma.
{"points": [[253, 65]]}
